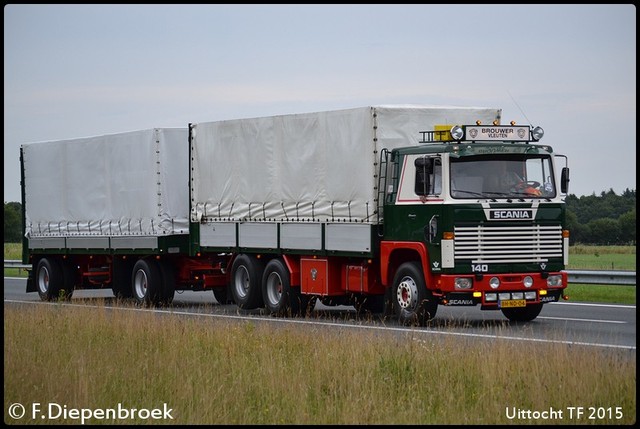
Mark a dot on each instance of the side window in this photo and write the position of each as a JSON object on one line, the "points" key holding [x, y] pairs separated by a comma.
{"points": [[428, 176], [437, 177]]}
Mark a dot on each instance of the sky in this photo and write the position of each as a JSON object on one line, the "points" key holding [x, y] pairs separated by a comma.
{"points": [[75, 71]]}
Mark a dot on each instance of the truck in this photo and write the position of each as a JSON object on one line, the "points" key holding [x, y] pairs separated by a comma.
{"points": [[392, 209]]}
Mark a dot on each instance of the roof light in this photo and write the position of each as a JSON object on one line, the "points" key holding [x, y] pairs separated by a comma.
{"points": [[538, 132], [457, 132]]}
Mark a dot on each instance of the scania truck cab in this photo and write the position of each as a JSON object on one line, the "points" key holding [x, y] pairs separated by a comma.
{"points": [[480, 210]]}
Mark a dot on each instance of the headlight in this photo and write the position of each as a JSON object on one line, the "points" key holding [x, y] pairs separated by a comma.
{"points": [[463, 283], [490, 297], [554, 280], [494, 282], [457, 132], [537, 132], [528, 281]]}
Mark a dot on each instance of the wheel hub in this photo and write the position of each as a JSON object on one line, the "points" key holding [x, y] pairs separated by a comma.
{"points": [[407, 293], [274, 288], [43, 280]]}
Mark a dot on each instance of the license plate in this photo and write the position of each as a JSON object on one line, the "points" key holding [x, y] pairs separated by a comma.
{"points": [[513, 303]]}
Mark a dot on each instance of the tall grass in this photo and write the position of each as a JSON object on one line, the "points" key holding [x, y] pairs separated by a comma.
{"points": [[580, 249], [12, 251], [217, 372]]}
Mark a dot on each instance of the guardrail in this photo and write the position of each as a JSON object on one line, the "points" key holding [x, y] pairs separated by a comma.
{"points": [[12, 263], [621, 278]]}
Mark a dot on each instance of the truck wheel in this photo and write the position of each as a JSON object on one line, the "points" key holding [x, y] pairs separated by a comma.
{"points": [[522, 314], [369, 304], [246, 282], [412, 302], [147, 282], [279, 297], [49, 279]]}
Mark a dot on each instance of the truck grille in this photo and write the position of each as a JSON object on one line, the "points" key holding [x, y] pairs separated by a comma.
{"points": [[506, 244]]}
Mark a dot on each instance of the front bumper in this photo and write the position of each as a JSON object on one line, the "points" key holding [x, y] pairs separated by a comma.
{"points": [[492, 300]]}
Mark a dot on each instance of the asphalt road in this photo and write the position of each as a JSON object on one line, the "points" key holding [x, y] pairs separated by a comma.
{"points": [[588, 325]]}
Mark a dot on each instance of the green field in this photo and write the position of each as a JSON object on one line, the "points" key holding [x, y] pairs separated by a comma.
{"points": [[604, 258]]}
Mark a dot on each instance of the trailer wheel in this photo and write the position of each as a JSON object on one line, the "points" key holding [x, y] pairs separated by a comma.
{"points": [[412, 302], [147, 282], [246, 282], [69, 279], [168, 283], [121, 278], [279, 297], [49, 279], [522, 314], [222, 295]]}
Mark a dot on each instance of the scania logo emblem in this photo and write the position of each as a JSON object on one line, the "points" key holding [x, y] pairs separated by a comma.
{"points": [[473, 133], [511, 214], [521, 133]]}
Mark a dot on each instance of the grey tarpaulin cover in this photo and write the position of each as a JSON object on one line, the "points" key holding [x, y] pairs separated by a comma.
{"points": [[126, 184], [306, 167]]}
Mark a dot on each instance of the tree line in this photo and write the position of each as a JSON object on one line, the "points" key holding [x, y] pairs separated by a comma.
{"points": [[605, 219]]}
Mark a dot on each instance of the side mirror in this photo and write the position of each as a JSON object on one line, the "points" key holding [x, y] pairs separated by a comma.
{"points": [[564, 180]]}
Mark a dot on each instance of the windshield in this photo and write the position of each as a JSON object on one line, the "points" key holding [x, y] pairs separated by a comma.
{"points": [[508, 176]]}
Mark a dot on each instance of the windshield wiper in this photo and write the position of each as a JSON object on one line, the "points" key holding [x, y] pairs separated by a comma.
{"points": [[477, 194]]}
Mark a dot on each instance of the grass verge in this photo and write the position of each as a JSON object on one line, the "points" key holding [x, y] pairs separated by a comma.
{"points": [[240, 373]]}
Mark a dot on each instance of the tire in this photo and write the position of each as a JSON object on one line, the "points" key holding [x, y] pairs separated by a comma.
{"points": [[246, 282], [413, 304], [280, 299], [222, 295], [121, 279], [388, 310], [522, 314], [146, 282], [69, 280], [49, 279], [168, 283], [369, 304]]}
